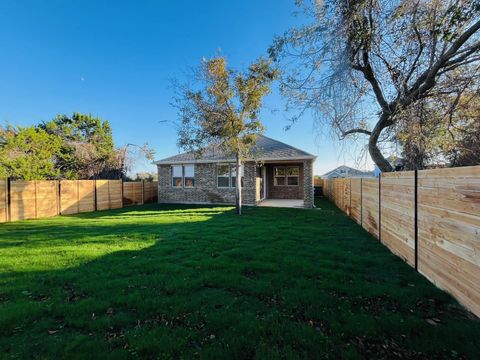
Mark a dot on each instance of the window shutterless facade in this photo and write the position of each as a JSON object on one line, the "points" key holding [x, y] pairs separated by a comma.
{"points": [[223, 176], [177, 176], [183, 176], [286, 176], [227, 175], [189, 176]]}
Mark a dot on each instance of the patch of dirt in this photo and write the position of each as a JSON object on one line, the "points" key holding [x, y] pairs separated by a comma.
{"points": [[375, 304], [180, 320], [317, 324], [72, 294], [249, 274], [116, 338], [371, 304], [382, 349], [40, 297], [390, 349]]}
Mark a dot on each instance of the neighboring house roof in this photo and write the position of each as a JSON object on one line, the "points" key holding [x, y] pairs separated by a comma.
{"points": [[266, 149], [346, 171]]}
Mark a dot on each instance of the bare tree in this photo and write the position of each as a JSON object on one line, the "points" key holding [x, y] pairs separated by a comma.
{"points": [[360, 60], [221, 110], [128, 154]]}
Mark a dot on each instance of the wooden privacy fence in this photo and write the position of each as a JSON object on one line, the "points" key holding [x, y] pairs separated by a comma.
{"points": [[317, 181], [430, 218], [20, 200]]}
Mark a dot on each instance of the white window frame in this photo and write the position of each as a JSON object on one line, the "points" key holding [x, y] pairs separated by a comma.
{"points": [[286, 176], [183, 186]]}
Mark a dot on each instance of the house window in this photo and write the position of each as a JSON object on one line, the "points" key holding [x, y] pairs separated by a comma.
{"points": [[189, 175], [286, 176], [183, 176], [293, 172], [223, 175], [279, 176], [177, 176], [227, 175]]}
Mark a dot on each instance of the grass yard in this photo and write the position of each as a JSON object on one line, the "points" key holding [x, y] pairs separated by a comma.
{"points": [[161, 281]]}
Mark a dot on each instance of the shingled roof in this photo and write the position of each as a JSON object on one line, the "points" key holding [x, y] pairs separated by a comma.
{"points": [[266, 149]]}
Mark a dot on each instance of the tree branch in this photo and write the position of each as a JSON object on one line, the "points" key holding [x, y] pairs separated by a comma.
{"points": [[355, 131], [427, 80]]}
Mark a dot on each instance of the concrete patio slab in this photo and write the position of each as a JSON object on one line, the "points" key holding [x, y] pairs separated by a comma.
{"points": [[285, 203]]}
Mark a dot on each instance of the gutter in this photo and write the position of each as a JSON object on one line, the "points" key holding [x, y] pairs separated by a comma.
{"points": [[201, 161]]}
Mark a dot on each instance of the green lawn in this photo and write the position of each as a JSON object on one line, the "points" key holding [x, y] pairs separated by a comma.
{"points": [[164, 281]]}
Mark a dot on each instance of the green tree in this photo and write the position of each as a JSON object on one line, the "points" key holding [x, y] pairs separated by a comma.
{"points": [[88, 150], [222, 110], [29, 154]]}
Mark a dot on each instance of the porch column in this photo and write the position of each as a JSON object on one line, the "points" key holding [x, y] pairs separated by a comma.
{"points": [[308, 184]]}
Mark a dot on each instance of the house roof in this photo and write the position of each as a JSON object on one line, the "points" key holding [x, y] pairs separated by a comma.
{"points": [[266, 149], [346, 171]]}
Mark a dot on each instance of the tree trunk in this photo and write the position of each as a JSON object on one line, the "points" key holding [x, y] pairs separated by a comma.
{"points": [[238, 193], [373, 149]]}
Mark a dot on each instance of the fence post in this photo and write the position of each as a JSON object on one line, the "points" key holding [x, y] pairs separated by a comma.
{"points": [[380, 207], [108, 192], [59, 197], [415, 221], [350, 197], [9, 200], [95, 194], [78, 196], [361, 202], [122, 191], [143, 192]]}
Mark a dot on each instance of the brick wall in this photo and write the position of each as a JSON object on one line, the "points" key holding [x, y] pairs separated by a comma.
{"points": [[308, 195], [284, 192], [205, 190]]}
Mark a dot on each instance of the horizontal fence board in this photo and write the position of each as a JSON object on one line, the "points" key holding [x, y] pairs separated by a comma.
{"points": [[103, 196], [449, 231], [115, 194], [47, 198], [370, 203], [132, 193], [356, 192], [22, 200], [68, 197], [150, 192], [86, 195], [398, 214], [448, 222]]}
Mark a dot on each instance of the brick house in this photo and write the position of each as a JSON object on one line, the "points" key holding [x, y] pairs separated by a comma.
{"points": [[278, 171]]}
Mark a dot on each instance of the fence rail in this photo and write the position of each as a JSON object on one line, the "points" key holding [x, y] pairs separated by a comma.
{"points": [[429, 218], [21, 200]]}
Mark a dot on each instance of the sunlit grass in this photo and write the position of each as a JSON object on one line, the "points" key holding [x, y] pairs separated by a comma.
{"points": [[184, 281]]}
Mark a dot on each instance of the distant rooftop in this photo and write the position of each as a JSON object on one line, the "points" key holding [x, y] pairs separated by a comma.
{"points": [[265, 149], [346, 171]]}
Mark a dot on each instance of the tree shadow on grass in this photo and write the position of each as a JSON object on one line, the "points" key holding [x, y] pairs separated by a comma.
{"points": [[274, 282]]}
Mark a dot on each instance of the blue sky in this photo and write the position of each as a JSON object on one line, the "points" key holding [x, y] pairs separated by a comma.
{"points": [[115, 59]]}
